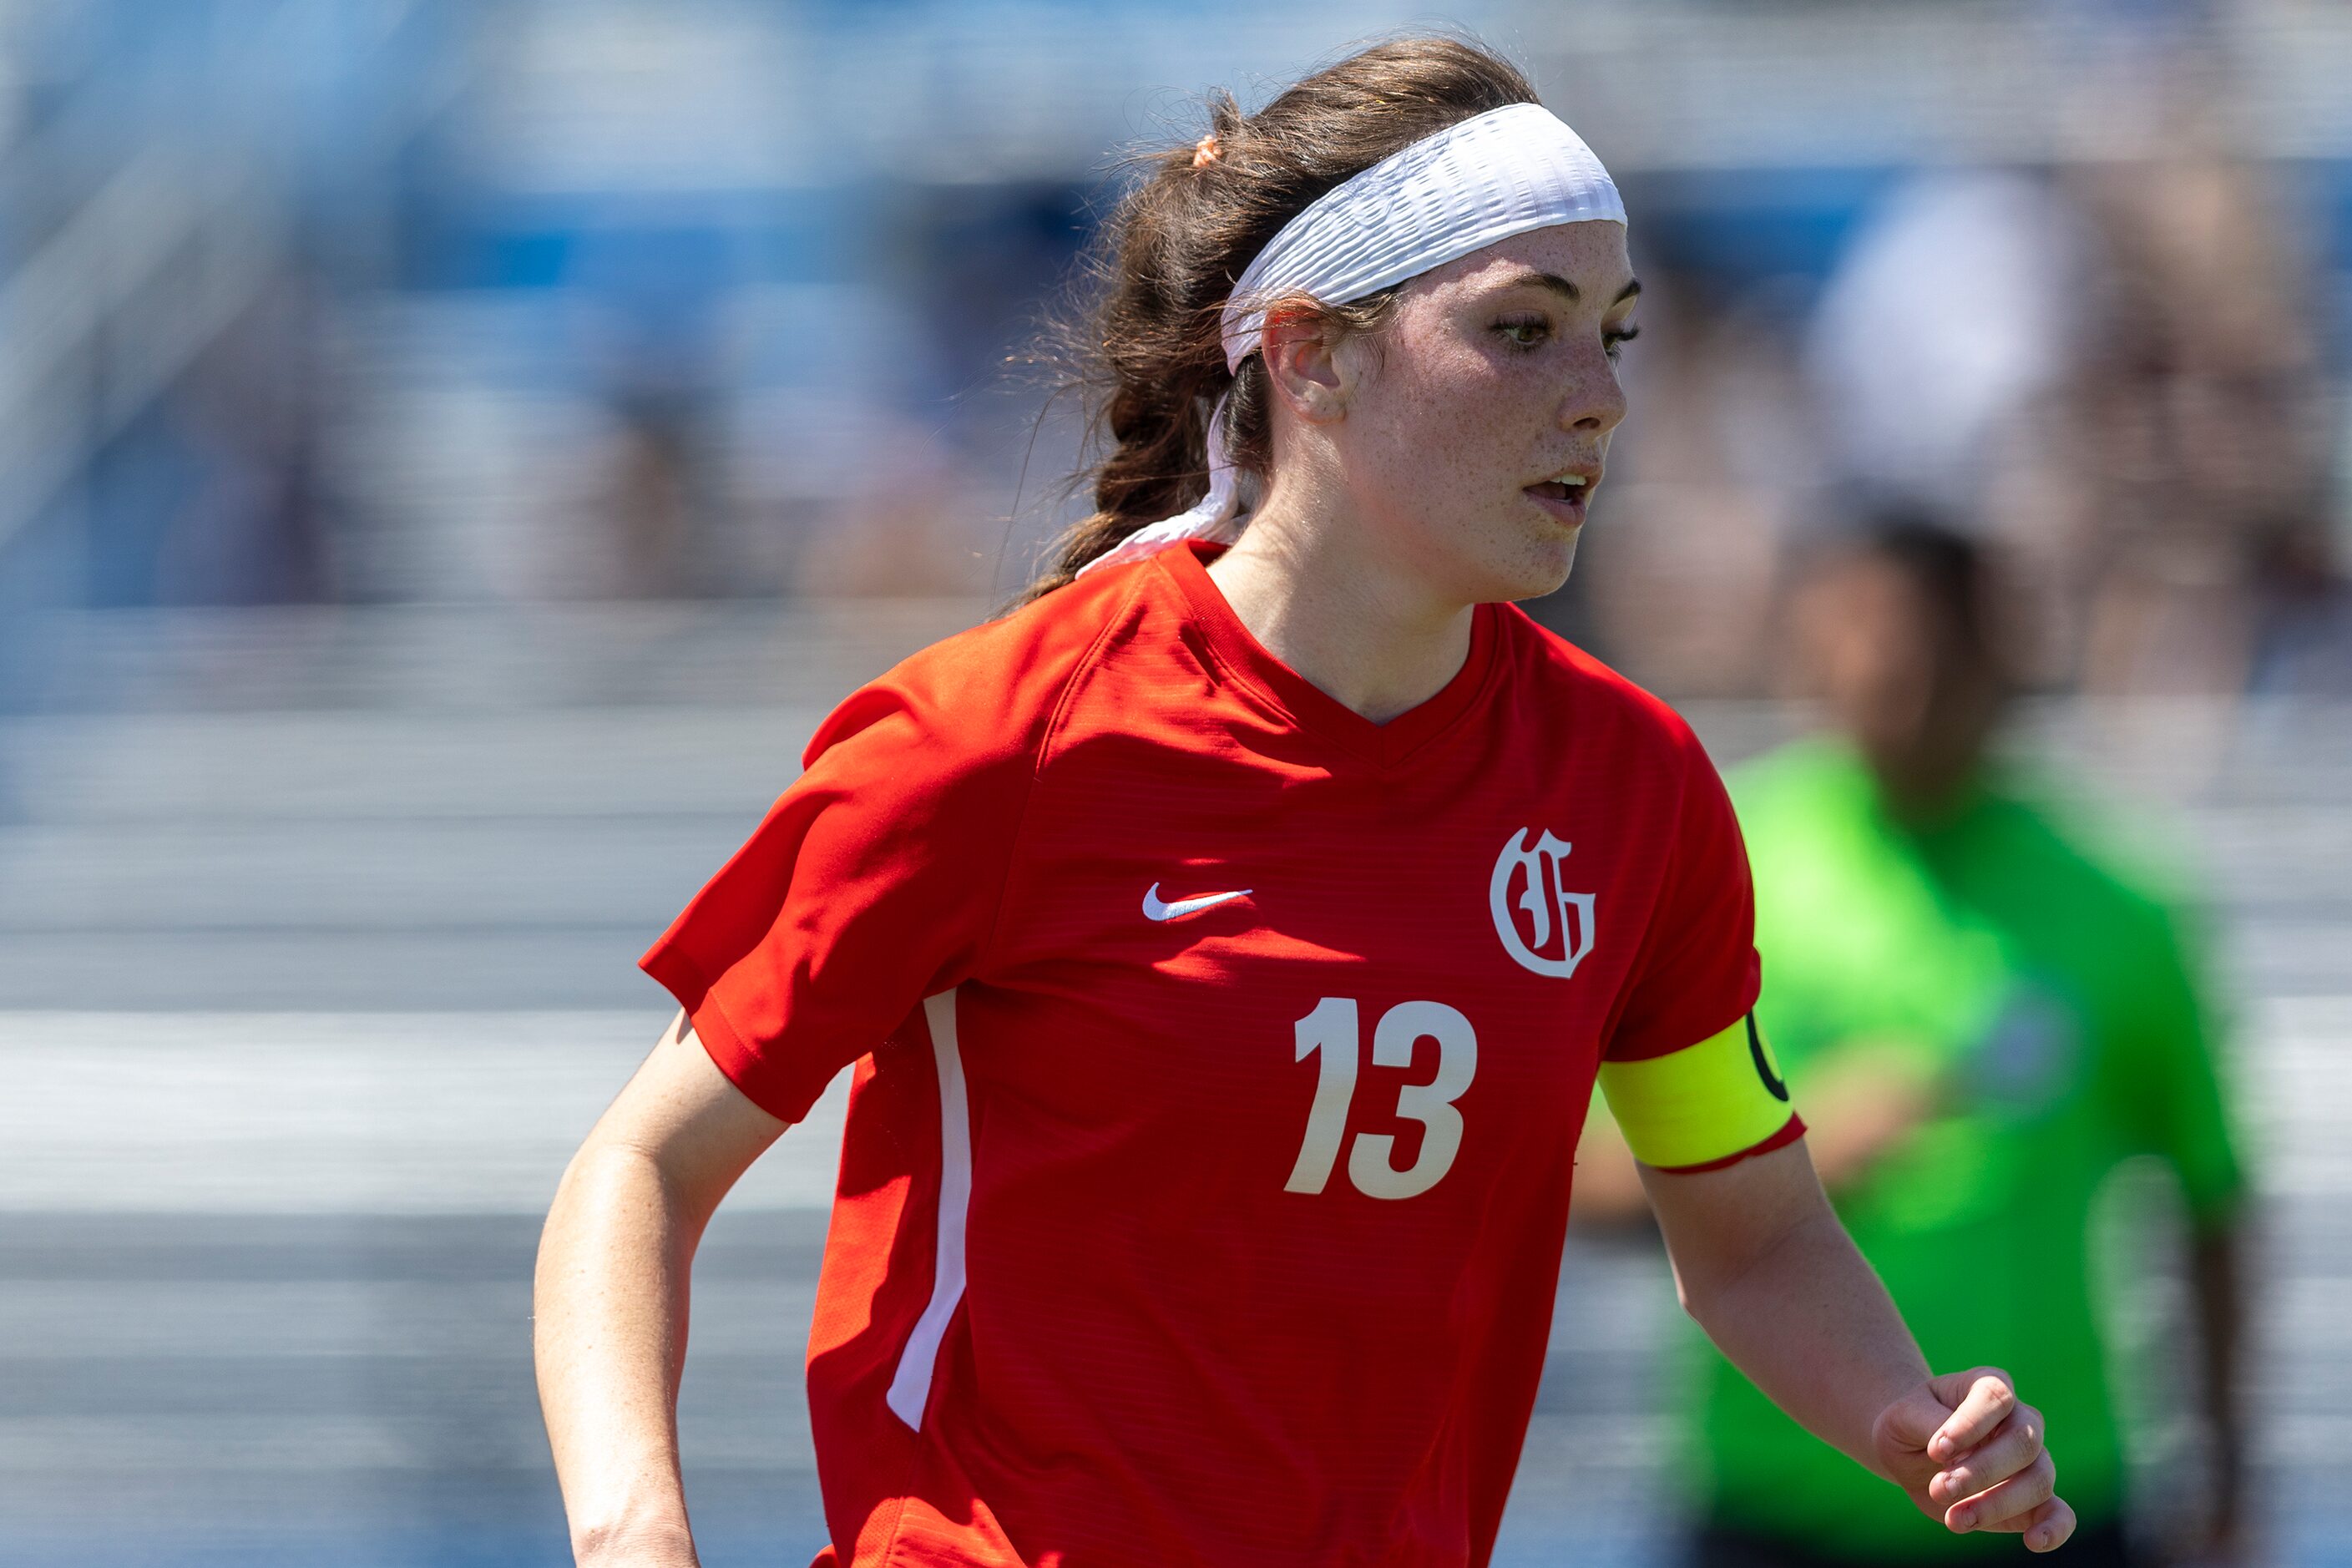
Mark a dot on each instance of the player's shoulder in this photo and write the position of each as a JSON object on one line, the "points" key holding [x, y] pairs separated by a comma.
{"points": [[2119, 852], [1556, 677], [987, 694]]}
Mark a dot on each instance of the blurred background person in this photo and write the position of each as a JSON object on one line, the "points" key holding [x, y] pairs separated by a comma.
{"points": [[2198, 422], [1982, 1007]]}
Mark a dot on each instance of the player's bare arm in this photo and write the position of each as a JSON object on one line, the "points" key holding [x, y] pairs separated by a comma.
{"points": [[1762, 1264], [610, 1296], [1858, 1104]]}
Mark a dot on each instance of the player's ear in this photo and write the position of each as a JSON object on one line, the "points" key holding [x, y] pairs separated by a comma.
{"points": [[1303, 367]]}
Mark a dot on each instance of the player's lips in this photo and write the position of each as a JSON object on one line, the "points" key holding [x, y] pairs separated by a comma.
{"points": [[1567, 494]]}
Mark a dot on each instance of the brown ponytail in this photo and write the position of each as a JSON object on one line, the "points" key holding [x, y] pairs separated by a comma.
{"points": [[1148, 350]]}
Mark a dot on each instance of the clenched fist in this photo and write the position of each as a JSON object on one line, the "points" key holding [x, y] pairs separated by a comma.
{"points": [[1970, 1454]]}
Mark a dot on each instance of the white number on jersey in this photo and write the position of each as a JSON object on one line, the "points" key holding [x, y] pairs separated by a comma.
{"points": [[1334, 1035]]}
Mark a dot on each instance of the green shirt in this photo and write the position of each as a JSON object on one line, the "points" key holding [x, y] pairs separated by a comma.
{"points": [[2051, 996]]}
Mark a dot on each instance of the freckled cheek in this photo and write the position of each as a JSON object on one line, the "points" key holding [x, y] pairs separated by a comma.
{"points": [[1411, 430], [1454, 422]]}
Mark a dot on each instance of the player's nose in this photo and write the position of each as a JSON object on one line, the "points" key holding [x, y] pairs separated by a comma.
{"points": [[1593, 402]]}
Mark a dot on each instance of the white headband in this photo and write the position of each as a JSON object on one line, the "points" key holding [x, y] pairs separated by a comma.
{"points": [[1478, 180]]}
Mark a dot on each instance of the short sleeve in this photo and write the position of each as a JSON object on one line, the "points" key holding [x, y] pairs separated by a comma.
{"points": [[1696, 972], [873, 882], [2175, 1098]]}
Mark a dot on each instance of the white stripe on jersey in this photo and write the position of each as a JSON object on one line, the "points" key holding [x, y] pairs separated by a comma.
{"points": [[910, 1390]]}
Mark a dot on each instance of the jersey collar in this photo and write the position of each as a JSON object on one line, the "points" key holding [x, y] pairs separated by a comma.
{"points": [[1308, 706]]}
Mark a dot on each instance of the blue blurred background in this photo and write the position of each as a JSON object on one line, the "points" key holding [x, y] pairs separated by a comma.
{"points": [[451, 454]]}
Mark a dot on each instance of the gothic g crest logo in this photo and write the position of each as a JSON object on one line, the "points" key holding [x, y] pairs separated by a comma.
{"points": [[1543, 925]]}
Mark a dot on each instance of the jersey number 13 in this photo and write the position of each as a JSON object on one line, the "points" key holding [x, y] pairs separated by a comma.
{"points": [[1334, 1035]]}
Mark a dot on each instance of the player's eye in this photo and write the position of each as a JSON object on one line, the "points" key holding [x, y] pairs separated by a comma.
{"points": [[1613, 340], [1524, 331]]}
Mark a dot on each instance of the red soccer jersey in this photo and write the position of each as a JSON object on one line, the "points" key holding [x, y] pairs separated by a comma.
{"points": [[1221, 1058]]}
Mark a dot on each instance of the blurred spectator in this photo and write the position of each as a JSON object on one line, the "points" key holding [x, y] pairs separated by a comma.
{"points": [[2203, 429], [650, 294], [1953, 314], [217, 497], [644, 513], [1981, 1010], [2113, 369], [1945, 355]]}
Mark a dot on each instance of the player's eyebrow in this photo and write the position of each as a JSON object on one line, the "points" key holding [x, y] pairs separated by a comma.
{"points": [[1559, 285]]}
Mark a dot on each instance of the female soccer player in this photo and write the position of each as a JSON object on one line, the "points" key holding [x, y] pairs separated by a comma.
{"points": [[1228, 942]]}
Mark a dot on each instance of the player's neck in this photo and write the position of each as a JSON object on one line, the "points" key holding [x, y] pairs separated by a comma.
{"points": [[1932, 781], [1930, 772], [1350, 625]]}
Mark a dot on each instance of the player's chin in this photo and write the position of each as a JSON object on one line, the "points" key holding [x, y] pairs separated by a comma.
{"points": [[1541, 566]]}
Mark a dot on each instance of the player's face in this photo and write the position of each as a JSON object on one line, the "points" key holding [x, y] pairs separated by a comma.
{"points": [[1491, 393], [1893, 676], [1863, 632]]}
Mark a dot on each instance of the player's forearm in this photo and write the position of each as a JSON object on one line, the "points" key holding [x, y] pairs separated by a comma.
{"points": [[2217, 1283], [1808, 1323], [609, 1332]]}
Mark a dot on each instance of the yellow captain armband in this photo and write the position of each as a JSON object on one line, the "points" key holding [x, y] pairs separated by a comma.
{"points": [[1705, 1105]]}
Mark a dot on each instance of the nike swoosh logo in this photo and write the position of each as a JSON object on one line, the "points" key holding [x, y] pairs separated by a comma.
{"points": [[1153, 909]]}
